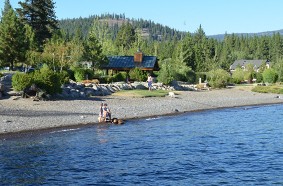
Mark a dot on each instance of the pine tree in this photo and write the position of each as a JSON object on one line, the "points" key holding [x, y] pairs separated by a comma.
{"points": [[188, 51], [40, 15], [12, 38], [93, 50]]}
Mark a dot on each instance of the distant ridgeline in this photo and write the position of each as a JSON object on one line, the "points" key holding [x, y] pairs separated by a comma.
{"points": [[268, 33], [149, 29]]}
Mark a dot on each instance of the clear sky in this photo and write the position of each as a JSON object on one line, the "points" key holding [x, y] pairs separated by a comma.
{"points": [[215, 16]]}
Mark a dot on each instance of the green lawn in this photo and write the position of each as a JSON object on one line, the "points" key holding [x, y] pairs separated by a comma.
{"points": [[142, 93]]}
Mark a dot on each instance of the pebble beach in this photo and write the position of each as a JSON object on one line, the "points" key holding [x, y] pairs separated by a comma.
{"points": [[21, 115]]}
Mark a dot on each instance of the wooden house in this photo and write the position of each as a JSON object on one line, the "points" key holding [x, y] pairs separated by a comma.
{"points": [[126, 63]]}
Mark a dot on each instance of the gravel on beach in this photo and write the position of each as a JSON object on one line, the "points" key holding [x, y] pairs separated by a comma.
{"points": [[17, 115]]}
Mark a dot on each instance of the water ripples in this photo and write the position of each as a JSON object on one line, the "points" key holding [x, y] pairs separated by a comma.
{"points": [[223, 147]]}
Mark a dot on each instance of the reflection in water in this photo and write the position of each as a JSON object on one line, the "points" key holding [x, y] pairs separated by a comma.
{"points": [[101, 131]]}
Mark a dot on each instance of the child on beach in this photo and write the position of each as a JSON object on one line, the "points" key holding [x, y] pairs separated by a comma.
{"points": [[106, 113], [100, 115]]}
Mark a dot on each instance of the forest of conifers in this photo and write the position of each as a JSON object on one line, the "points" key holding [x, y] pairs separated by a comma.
{"points": [[196, 50], [96, 37]]}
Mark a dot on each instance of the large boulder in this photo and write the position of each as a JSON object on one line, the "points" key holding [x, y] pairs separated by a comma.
{"points": [[89, 92], [2, 87], [110, 89], [175, 86], [105, 91], [137, 85]]}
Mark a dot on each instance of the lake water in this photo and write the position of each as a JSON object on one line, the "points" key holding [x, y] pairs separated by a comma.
{"points": [[238, 146]]}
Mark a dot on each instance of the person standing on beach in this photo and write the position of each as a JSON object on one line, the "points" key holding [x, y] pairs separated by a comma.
{"points": [[149, 82]]}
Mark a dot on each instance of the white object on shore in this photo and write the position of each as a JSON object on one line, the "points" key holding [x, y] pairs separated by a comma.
{"points": [[171, 94]]}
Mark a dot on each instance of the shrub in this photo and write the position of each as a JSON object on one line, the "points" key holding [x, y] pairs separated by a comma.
{"points": [[47, 80], [71, 74], [137, 74], [20, 81], [89, 74], [218, 78], [79, 74], [238, 76], [187, 75], [64, 77], [121, 76], [269, 76], [259, 77], [248, 76]]}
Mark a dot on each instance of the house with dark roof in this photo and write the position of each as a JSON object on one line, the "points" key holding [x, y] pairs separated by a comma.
{"points": [[126, 63], [243, 63]]}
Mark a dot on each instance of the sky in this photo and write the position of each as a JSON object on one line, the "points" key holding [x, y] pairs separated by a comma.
{"points": [[214, 16]]}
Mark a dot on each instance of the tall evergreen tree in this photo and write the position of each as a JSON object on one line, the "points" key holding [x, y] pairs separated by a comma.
{"points": [[12, 37], [93, 50], [188, 51], [200, 50], [32, 55], [40, 15]]}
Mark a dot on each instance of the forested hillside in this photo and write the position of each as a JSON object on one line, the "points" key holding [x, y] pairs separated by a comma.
{"points": [[149, 29]]}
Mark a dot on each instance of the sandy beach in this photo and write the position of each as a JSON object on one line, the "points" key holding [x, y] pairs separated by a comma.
{"points": [[27, 115]]}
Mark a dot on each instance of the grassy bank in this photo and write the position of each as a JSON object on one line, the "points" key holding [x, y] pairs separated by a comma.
{"points": [[142, 93], [276, 89]]}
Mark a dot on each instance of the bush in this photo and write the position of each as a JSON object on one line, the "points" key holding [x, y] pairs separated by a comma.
{"points": [[89, 74], [71, 74], [218, 78], [238, 76], [64, 77], [249, 76], [47, 79], [79, 74], [259, 77], [121, 76], [269, 76], [187, 75], [137, 74], [20, 81]]}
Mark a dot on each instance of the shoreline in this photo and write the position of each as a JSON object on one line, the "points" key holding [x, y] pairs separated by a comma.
{"points": [[26, 116]]}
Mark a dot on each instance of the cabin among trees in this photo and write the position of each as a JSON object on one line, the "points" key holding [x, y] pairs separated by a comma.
{"points": [[243, 64], [117, 64]]}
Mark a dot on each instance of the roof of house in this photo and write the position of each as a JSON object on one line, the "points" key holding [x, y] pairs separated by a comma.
{"points": [[243, 62], [127, 62]]}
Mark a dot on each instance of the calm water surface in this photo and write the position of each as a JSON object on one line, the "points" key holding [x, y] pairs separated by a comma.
{"points": [[240, 146]]}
